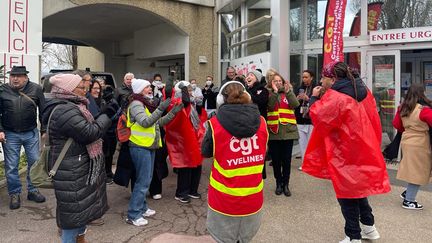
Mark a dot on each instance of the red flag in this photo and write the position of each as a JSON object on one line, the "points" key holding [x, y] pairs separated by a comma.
{"points": [[333, 31], [374, 13]]}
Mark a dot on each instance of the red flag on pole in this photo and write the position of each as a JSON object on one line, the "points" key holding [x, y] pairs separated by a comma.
{"points": [[333, 31], [374, 13]]}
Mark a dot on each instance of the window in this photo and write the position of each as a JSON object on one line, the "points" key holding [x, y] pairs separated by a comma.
{"points": [[296, 23], [255, 10], [316, 18], [396, 14]]}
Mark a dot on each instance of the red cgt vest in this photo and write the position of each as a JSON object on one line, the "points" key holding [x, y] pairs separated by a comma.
{"points": [[236, 183], [281, 113]]}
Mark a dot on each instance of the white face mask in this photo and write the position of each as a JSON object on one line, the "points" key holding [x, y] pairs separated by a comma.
{"points": [[193, 86], [208, 82]]}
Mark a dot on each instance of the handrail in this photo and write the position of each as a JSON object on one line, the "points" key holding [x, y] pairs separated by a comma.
{"points": [[252, 23], [254, 39]]}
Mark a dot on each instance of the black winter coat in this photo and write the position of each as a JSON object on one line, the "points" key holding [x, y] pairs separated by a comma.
{"points": [[260, 96], [17, 112], [77, 202], [209, 95]]}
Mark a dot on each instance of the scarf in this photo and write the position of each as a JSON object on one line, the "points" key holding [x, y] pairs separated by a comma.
{"points": [[151, 104], [97, 160]]}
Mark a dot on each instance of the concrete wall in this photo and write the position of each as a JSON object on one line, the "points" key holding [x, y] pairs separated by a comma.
{"points": [[159, 40], [195, 21], [89, 57]]}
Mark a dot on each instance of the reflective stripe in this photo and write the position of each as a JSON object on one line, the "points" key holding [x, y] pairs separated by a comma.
{"points": [[273, 122], [240, 192], [286, 111], [287, 120], [144, 134], [272, 113], [257, 169]]}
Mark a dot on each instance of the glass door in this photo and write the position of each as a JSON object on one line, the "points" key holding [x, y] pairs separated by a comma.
{"points": [[384, 81]]}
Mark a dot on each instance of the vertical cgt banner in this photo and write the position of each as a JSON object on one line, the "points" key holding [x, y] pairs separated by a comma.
{"points": [[333, 31]]}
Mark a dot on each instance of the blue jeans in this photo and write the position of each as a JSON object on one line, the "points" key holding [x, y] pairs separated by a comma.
{"points": [[411, 192], [70, 235], [12, 150], [143, 160]]}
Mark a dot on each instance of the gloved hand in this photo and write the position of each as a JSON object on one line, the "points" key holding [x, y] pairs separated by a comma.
{"points": [[110, 109], [177, 108], [164, 104]]}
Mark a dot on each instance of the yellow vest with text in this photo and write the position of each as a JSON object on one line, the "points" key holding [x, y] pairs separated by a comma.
{"points": [[142, 136]]}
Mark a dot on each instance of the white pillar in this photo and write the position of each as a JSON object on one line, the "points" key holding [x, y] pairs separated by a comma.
{"points": [[280, 29]]}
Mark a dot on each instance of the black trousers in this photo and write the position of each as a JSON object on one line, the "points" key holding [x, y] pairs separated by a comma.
{"points": [[155, 185], [109, 148], [280, 152], [188, 181], [354, 210]]}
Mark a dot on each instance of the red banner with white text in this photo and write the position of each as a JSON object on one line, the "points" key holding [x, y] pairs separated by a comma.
{"points": [[374, 13], [333, 31]]}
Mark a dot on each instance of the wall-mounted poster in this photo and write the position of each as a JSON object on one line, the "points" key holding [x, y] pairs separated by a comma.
{"points": [[427, 77], [384, 76]]}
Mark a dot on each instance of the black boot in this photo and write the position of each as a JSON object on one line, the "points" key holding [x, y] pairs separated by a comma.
{"points": [[279, 189], [286, 191]]}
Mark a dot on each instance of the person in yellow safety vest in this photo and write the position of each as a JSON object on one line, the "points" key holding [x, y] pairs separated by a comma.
{"points": [[387, 110], [237, 139], [281, 123], [144, 117]]}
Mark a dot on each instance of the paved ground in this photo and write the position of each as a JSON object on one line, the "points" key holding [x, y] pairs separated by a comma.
{"points": [[310, 215]]}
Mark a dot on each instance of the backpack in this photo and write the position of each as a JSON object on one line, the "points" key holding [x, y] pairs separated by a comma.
{"points": [[123, 132]]}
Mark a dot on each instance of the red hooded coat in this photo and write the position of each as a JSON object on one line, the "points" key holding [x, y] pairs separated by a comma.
{"points": [[345, 145], [182, 140]]}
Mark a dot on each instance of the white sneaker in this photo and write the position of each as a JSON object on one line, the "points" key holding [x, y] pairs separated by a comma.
{"points": [[137, 222], [347, 240], [149, 212], [157, 196], [369, 232]]}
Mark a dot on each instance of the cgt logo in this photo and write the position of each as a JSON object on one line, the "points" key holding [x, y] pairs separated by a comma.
{"points": [[245, 144]]}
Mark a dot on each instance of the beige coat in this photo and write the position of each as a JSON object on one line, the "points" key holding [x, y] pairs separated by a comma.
{"points": [[416, 163]]}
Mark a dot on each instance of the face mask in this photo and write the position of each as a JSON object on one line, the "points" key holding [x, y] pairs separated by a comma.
{"points": [[149, 96], [208, 82], [158, 84], [193, 86]]}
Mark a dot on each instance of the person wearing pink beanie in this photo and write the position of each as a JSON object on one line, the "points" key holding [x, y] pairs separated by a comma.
{"points": [[79, 186]]}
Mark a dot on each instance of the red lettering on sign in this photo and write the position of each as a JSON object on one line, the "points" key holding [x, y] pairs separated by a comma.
{"points": [[14, 61], [18, 6], [15, 44], [16, 24]]}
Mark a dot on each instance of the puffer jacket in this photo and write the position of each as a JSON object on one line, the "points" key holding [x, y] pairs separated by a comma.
{"points": [[77, 202]]}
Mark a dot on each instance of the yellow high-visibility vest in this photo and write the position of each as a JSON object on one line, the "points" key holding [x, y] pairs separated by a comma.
{"points": [[142, 136]]}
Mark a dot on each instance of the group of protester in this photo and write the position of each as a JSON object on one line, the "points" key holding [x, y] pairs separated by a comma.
{"points": [[248, 117]]}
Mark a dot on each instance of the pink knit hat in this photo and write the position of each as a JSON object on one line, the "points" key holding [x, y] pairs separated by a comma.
{"points": [[66, 81]]}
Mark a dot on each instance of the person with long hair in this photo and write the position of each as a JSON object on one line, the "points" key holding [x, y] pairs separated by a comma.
{"points": [[282, 126], [414, 119], [345, 147], [304, 123], [237, 139]]}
